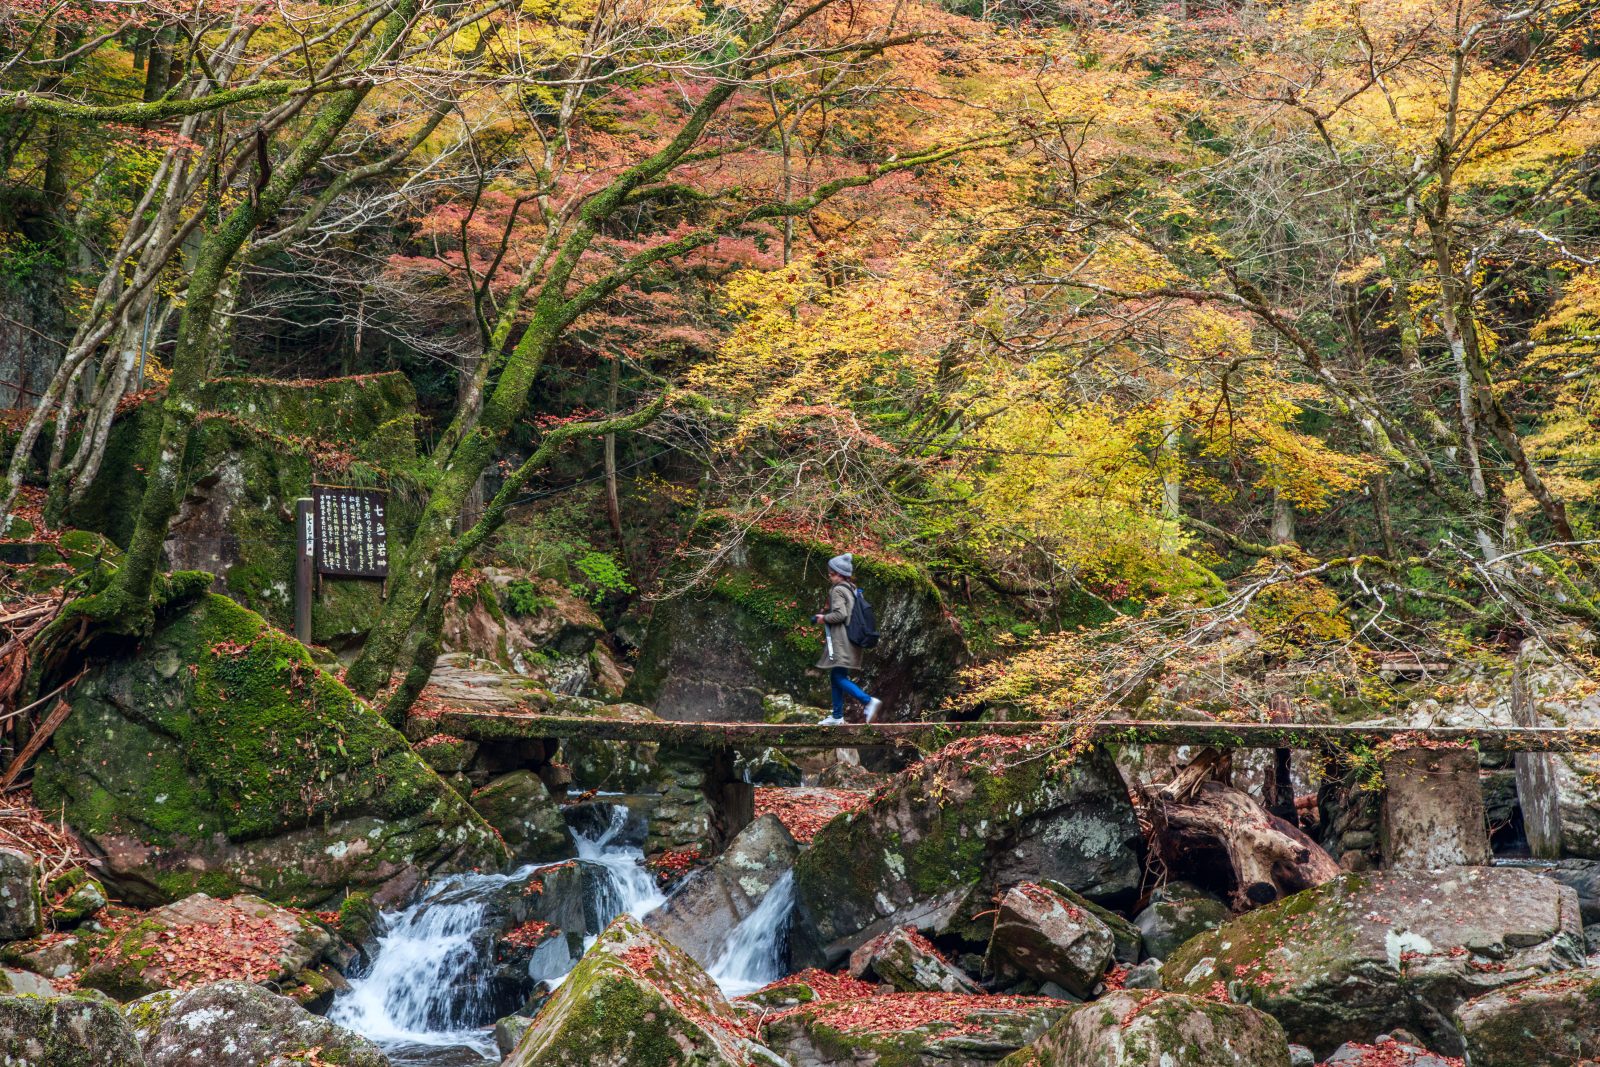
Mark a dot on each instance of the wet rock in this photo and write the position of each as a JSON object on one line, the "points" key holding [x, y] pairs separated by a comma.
{"points": [[249, 770], [167, 946], [711, 900], [236, 1024], [1045, 935], [1553, 1021], [531, 926], [910, 1030], [530, 823], [1146, 1029], [508, 1031], [21, 913], [1367, 953], [1177, 912], [755, 611], [941, 838], [1387, 1051], [906, 961], [69, 1031], [635, 998]]}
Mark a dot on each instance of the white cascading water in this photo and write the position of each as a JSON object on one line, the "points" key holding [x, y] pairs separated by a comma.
{"points": [[753, 955], [626, 885], [426, 975]]}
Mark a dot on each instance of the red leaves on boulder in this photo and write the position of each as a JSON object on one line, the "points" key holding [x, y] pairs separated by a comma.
{"points": [[530, 934], [889, 1013], [804, 812], [673, 864], [639, 959], [1387, 1052], [828, 987]]}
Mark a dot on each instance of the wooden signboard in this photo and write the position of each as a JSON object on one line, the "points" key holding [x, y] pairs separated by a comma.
{"points": [[351, 531]]}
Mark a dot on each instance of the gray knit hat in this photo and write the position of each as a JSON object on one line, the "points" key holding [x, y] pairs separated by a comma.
{"points": [[842, 565]]}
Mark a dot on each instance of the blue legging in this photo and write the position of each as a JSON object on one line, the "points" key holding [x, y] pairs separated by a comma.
{"points": [[843, 687]]}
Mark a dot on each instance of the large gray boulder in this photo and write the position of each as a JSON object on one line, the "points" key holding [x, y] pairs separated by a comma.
{"points": [[75, 1031], [1045, 935], [1365, 954], [636, 999], [236, 1024], [21, 914], [217, 756], [937, 842], [1552, 1021], [706, 906], [1132, 1028]]}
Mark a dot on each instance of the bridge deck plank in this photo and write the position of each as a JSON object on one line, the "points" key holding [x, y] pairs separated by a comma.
{"points": [[493, 726]]}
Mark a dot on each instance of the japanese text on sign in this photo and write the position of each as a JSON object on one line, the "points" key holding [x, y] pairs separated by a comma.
{"points": [[352, 535]]}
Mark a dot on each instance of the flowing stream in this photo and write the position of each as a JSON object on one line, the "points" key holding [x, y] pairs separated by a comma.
{"points": [[427, 998]]}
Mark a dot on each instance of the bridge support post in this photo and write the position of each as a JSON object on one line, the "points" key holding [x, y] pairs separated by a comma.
{"points": [[1433, 814]]}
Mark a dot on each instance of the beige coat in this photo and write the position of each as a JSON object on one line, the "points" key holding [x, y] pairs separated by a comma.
{"points": [[841, 602]]}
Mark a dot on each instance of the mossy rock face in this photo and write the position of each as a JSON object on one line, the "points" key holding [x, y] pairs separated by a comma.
{"points": [[520, 807], [911, 1030], [1143, 1028], [257, 446], [236, 1024], [934, 846], [218, 758], [1177, 912], [21, 911], [74, 897], [72, 1031], [1552, 1021], [1369, 953], [713, 653], [636, 1000]]}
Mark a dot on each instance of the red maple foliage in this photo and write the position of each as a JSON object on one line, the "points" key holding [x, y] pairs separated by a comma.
{"points": [[530, 934]]}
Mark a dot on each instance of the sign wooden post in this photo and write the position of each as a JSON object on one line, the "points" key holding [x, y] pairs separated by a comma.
{"points": [[305, 530]]}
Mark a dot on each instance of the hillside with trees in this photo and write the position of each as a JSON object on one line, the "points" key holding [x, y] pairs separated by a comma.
{"points": [[381, 380]]}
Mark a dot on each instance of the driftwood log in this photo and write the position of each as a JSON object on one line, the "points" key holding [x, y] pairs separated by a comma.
{"points": [[1214, 824]]}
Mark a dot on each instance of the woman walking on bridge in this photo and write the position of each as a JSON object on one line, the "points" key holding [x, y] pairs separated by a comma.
{"points": [[840, 655]]}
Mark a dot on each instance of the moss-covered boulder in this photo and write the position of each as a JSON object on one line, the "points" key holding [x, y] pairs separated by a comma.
{"points": [[1367, 953], [933, 846], [72, 1031], [257, 446], [534, 627], [910, 1029], [909, 963], [201, 938], [1553, 1021], [1144, 1028], [519, 806], [236, 1024], [636, 1000], [714, 652], [1178, 911], [73, 897], [217, 757], [1043, 934]]}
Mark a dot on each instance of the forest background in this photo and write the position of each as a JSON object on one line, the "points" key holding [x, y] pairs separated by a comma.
{"points": [[1130, 323]]}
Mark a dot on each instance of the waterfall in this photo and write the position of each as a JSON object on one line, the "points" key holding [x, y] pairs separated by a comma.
{"points": [[755, 953], [427, 985], [622, 884], [429, 981]]}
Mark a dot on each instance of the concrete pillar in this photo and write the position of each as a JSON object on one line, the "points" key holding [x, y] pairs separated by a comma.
{"points": [[1433, 809]]}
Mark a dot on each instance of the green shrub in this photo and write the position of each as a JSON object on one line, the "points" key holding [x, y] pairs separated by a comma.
{"points": [[604, 574], [525, 598]]}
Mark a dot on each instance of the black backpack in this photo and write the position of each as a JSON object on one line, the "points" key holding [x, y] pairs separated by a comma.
{"points": [[862, 628]]}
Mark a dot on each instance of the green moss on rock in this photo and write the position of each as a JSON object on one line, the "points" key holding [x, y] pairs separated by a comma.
{"points": [[218, 757]]}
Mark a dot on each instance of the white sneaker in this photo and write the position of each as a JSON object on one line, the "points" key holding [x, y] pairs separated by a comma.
{"points": [[872, 708], [831, 720]]}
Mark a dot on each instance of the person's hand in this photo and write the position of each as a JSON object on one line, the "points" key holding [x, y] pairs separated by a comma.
{"points": [[816, 618]]}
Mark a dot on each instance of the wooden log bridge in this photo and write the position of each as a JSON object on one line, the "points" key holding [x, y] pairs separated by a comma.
{"points": [[510, 726], [1442, 759]]}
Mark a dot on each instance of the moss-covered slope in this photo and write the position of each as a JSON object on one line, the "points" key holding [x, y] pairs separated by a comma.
{"points": [[217, 757]]}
